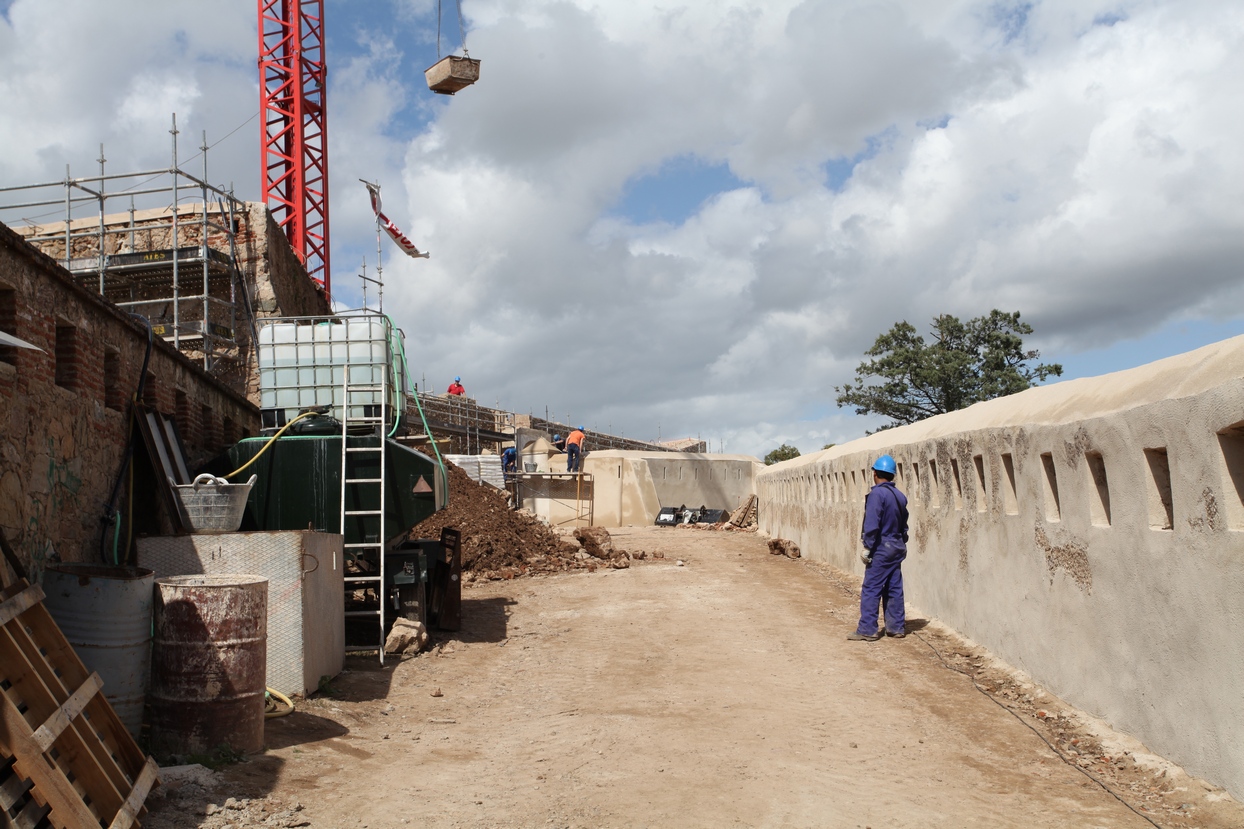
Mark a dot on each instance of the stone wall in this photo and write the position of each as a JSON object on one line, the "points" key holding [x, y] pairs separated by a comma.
{"points": [[1090, 532], [64, 410], [276, 281], [631, 487]]}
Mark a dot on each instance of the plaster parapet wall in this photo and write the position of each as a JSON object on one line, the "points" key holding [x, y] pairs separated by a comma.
{"points": [[631, 487], [1090, 532]]}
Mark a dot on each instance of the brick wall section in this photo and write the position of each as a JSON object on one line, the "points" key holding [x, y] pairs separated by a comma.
{"points": [[61, 448]]}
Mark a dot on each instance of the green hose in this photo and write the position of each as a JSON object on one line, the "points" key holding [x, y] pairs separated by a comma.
{"points": [[401, 347]]}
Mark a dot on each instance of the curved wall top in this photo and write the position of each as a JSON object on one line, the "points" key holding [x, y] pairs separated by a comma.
{"points": [[1090, 532]]}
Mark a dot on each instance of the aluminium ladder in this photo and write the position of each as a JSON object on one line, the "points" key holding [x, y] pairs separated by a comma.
{"points": [[360, 485]]}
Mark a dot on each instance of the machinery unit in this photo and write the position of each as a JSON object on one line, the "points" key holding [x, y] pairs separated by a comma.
{"points": [[299, 486]]}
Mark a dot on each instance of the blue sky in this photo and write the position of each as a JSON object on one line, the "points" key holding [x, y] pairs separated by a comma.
{"points": [[695, 217]]}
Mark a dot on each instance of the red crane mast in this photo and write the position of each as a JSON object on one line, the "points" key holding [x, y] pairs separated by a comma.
{"points": [[294, 136]]}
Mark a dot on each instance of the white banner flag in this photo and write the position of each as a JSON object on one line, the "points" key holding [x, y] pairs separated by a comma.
{"points": [[395, 233]]}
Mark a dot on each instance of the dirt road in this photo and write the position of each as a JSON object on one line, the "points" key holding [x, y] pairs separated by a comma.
{"points": [[717, 693]]}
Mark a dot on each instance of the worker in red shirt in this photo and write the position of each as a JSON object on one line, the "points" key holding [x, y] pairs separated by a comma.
{"points": [[456, 387], [574, 449]]}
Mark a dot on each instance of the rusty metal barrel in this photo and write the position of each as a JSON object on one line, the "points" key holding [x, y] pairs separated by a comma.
{"points": [[208, 663], [105, 613]]}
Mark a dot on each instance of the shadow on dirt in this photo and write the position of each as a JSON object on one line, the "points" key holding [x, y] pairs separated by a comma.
{"points": [[300, 728], [913, 625], [483, 620]]}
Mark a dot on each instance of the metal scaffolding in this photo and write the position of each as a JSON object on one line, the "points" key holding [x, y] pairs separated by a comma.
{"points": [[175, 264]]}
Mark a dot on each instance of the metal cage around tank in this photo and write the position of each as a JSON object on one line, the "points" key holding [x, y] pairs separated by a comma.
{"points": [[303, 360]]}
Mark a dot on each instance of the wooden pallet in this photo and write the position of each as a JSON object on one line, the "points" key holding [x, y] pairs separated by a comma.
{"points": [[66, 760]]}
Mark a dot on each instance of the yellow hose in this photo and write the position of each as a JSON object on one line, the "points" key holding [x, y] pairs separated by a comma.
{"points": [[271, 441], [271, 709]]}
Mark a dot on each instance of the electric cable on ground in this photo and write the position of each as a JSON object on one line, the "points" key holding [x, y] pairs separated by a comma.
{"points": [[1029, 726]]}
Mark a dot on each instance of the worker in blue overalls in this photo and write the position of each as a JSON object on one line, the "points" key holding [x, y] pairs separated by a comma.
{"points": [[885, 546]]}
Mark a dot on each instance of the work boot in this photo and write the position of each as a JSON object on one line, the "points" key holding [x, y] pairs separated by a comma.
{"points": [[898, 635], [856, 636]]}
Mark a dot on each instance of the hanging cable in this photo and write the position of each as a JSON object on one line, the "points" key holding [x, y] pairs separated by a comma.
{"points": [[111, 513], [462, 29]]}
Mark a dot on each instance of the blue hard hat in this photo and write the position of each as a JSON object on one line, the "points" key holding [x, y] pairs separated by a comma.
{"points": [[885, 464], [580, 428], [556, 438], [457, 379]]}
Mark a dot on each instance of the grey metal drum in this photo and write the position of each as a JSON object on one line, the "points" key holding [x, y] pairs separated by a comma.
{"points": [[105, 613], [208, 664]]}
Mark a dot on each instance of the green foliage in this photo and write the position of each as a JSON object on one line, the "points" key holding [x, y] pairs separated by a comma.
{"points": [[783, 453], [829, 446], [966, 362]]}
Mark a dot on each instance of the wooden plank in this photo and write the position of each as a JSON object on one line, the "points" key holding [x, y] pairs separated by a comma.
{"points": [[67, 805], [92, 747], [79, 752], [11, 558], [30, 816], [11, 791], [133, 804], [163, 466], [47, 733], [67, 671], [11, 608]]}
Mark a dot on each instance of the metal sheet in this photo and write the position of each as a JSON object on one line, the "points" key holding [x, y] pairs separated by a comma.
{"points": [[483, 468], [208, 664], [306, 612], [105, 613]]}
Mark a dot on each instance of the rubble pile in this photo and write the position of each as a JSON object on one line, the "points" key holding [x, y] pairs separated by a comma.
{"points": [[742, 520], [499, 542], [783, 547]]}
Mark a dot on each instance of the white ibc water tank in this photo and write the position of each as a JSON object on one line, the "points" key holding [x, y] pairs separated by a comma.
{"points": [[302, 362]]}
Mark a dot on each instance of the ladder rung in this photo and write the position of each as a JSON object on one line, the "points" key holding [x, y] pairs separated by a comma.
{"points": [[362, 648], [362, 578], [363, 512], [362, 389], [355, 613], [353, 545], [364, 419], [364, 449], [364, 480]]}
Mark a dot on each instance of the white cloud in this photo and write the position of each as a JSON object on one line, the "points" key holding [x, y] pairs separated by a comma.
{"points": [[1073, 159]]}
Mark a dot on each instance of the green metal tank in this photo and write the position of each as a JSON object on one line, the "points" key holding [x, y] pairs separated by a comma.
{"points": [[299, 486]]}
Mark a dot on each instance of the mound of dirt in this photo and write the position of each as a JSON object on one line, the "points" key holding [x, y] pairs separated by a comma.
{"points": [[497, 541]]}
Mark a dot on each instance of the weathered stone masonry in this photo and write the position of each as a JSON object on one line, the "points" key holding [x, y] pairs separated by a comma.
{"points": [[275, 279], [64, 411], [1090, 532]]}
